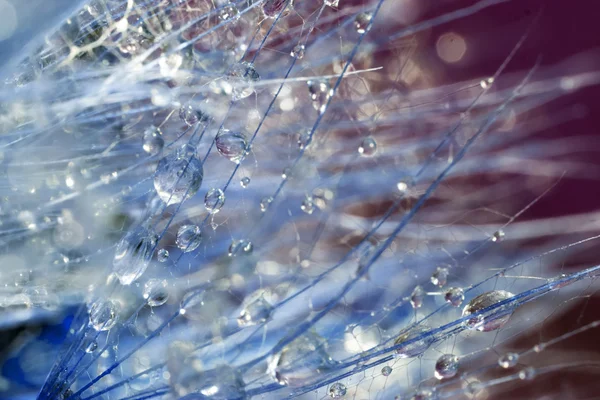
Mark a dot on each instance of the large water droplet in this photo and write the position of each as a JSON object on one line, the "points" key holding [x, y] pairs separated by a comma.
{"points": [[104, 315], [337, 390], [153, 141], [242, 76], [300, 361], [133, 254], [178, 177], [214, 200], [320, 92], [446, 366], [156, 292], [415, 348], [496, 317], [231, 145], [188, 238]]}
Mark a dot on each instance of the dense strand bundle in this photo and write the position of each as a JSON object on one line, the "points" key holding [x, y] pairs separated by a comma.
{"points": [[205, 199]]}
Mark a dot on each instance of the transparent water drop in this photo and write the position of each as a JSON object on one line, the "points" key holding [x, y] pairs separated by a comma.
{"points": [[498, 236], [422, 394], [231, 145], [455, 296], [497, 317], [440, 276], [337, 390], [239, 247], [153, 141], [415, 348], [91, 346], [368, 147], [486, 83], [156, 292], [286, 173], [362, 21], [178, 178], [272, 8], [133, 254], [311, 349], [255, 312], [190, 381], [446, 366], [527, 374], [229, 11], [104, 315], [242, 76], [320, 92], [265, 203], [386, 371], [162, 255], [508, 360], [298, 51], [244, 182], [417, 296], [188, 238], [322, 197], [214, 200], [191, 116], [332, 3], [307, 205], [304, 140]]}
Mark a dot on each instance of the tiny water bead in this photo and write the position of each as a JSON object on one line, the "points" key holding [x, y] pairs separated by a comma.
{"points": [[239, 247], [241, 77], [416, 297], [331, 3], [256, 312], [368, 147], [265, 203], [446, 366], [231, 145], [386, 371], [304, 140], [414, 348], [188, 238], [307, 206], [228, 11], [272, 8], [178, 177], [214, 200], [362, 21], [162, 255], [153, 141], [298, 51], [133, 254], [244, 182], [104, 314], [454, 296], [498, 317], [527, 374], [91, 346], [508, 360], [337, 390], [156, 292], [320, 92], [498, 236], [440, 276]]}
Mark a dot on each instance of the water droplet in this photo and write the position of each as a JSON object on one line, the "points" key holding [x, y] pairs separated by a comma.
{"points": [[133, 254], [286, 369], [188, 238], [241, 77], [304, 140], [320, 92], [287, 173], [332, 3], [386, 371], [322, 197], [190, 116], [239, 247], [255, 312], [307, 205], [265, 203], [486, 83], [362, 21], [415, 348], [231, 145], [153, 141], [272, 8], [244, 182], [508, 360], [454, 296], [440, 276], [178, 178], [189, 381], [91, 346], [214, 200], [368, 147], [337, 390], [497, 317], [104, 315], [228, 11], [422, 394], [416, 297], [498, 236], [527, 374], [298, 51], [446, 366], [402, 186], [162, 255], [155, 292]]}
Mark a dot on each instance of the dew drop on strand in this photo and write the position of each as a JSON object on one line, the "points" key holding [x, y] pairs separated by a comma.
{"points": [[415, 348], [191, 116], [416, 297], [455, 296], [178, 177], [133, 254], [320, 92], [362, 21], [498, 236], [255, 312], [228, 12], [162, 255], [91, 346], [241, 77], [332, 3], [214, 200], [231, 145], [188, 238], [307, 205], [240, 247], [265, 203], [156, 292], [272, 8], [244, 182], [386, 371], [368, 147], [104, 315], [298, 51], [497, 317], [446, 366], [153, 141], [337, 390], [440, 276], [508, 360]]}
